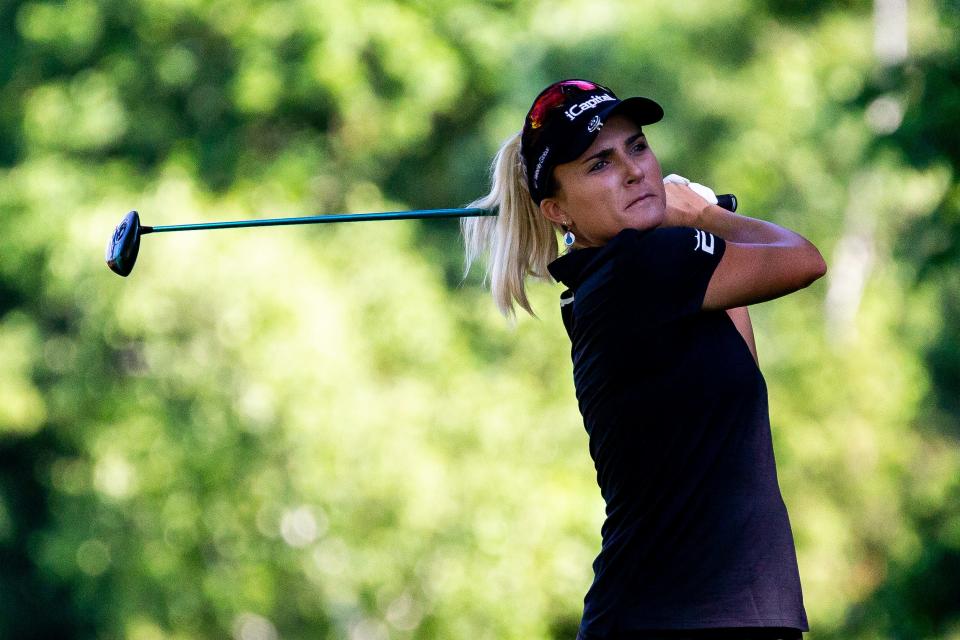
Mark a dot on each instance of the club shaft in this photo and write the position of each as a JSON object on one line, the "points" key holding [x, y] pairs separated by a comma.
{"points": [[339, 217]]}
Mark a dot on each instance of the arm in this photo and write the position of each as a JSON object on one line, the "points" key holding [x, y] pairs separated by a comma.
{"points": [[741, 320], [762, 260]]}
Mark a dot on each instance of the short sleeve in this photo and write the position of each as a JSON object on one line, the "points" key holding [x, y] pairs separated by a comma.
{"points": [[664, 273]]}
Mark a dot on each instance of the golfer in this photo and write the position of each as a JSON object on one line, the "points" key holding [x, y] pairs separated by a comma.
{"points": [[696, 542]]}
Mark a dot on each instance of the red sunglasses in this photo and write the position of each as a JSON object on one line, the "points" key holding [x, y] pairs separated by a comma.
{"points": [[554, 97]]}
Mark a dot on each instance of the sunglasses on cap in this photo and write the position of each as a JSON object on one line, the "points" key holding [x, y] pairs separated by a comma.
{"points": [[555, 96]]}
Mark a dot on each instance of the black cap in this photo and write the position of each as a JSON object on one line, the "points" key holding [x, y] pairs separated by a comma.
{"points": [[565, 120]]}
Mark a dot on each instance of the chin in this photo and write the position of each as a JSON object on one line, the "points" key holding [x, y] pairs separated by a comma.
{"points": [[648, 219], [659, 218]]}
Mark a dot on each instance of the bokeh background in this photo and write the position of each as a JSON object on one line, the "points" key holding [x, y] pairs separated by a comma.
{"points": [[324, 432]]}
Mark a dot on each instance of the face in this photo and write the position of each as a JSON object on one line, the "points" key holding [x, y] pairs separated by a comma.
{"points": [[614, 185]]}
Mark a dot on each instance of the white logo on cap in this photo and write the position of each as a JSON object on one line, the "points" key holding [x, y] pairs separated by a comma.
{"points": [[536, 172], [594, 124], [576, 110]]}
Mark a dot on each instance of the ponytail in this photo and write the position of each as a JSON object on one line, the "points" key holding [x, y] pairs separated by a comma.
{"points": [[519, 241]]}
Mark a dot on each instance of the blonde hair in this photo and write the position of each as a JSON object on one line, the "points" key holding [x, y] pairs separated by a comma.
{"points": [[518, 242]]}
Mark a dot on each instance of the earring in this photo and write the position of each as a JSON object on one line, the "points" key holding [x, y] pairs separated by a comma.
{"points": [[568, 237]]}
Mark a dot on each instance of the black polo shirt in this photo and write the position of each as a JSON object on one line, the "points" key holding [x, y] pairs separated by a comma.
{"points": [[696, 532]]}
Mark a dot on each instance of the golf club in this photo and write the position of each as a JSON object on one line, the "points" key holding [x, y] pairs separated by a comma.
{"points": [[124, 245]]}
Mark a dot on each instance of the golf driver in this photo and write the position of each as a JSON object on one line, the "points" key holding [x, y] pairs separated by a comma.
{"points": [[124, 244]]}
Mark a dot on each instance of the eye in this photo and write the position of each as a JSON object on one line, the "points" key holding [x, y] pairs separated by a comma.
{"points": [[640, 146], [599, 164]]}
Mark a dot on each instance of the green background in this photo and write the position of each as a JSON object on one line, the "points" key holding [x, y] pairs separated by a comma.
{"points": [[323, 432]]}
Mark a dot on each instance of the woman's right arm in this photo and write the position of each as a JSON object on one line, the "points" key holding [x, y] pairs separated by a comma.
{"points": [[762, 260]]}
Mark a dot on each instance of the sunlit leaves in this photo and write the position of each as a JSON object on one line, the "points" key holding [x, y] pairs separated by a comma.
{"points": [[22, 408], [84, 115], [70, 29]]}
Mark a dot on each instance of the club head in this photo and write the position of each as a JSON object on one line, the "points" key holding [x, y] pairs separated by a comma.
{"points": [[124, 244]]}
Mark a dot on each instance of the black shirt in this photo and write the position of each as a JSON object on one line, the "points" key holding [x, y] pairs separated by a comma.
{"points": [[696, 532]]}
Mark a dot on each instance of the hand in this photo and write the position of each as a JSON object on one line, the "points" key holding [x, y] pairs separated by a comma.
{"points": [[684, 207]]}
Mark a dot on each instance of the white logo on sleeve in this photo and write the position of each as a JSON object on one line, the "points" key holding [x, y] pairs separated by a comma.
{"points": [[705, 241]]}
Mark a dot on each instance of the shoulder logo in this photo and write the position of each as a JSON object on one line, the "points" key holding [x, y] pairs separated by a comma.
{"points": [[705, 241]]}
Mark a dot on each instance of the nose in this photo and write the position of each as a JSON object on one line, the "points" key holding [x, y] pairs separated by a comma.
{"points": [[633, 171]]}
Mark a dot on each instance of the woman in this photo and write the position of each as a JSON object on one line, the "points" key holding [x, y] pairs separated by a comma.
{"points": [[696, 542]]}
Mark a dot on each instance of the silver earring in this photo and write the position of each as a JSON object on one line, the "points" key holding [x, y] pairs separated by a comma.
{"points": [[568, 237]]}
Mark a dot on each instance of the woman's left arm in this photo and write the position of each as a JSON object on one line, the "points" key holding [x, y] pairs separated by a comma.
{"points": [[741, 320], [761, 261]]}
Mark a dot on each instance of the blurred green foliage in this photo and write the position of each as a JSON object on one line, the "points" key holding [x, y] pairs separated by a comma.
{"points": [[322, 432]]}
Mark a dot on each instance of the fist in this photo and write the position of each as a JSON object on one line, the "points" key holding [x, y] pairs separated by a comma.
{"points": [[684, 206]]}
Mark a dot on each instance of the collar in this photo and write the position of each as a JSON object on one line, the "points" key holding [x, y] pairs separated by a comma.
{"points": [[576, 265], [571, 267]]}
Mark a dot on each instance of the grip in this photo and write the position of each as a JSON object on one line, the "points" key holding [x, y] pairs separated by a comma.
{"points": [[728, 201]]}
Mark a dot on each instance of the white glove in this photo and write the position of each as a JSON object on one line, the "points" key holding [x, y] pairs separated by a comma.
{"points": [[704, 192]]}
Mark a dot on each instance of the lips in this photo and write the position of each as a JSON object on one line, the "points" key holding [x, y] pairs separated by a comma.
{"points": [[639, 199]]}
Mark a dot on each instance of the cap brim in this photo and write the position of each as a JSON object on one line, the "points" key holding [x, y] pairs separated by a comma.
{"points": [[641, 110]]}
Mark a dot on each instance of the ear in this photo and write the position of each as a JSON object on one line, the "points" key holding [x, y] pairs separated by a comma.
{"points": [[552, 211]]}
